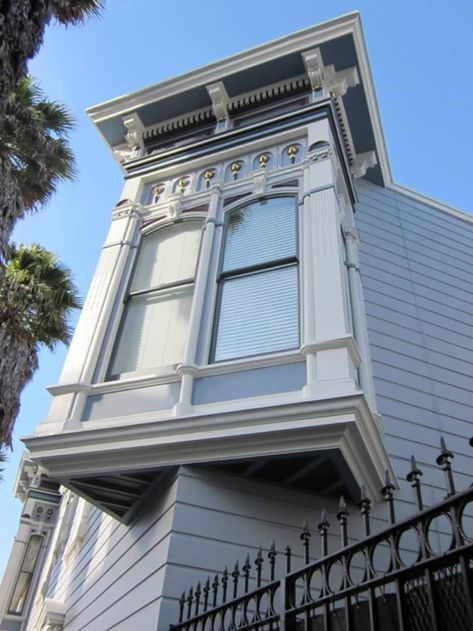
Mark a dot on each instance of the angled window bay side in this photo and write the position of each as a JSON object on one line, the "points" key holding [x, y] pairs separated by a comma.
{"points": [[153, 330], [258, 285], [23, 583]]}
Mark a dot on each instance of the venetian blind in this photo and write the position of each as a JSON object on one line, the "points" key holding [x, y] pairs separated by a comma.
{"points": [[259, 295], [153, 331]]}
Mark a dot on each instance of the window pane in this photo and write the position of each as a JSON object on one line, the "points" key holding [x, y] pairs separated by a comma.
{"points": [[258, 314], [154, 331], [23, 582], [260, 232], [167, 255]]}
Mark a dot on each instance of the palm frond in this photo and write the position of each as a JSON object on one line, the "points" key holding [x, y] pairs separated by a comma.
{"points": [[75, 11], [37, 297]]}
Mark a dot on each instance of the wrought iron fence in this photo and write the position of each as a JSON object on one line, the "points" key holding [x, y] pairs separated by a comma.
{"points": [[415, 575]]}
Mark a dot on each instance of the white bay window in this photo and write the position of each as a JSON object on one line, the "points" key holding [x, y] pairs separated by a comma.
{"points": [[153, 331], [258, 309]]}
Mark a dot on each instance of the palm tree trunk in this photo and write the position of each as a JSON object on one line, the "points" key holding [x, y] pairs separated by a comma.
{"points": [[18, 362], [22, 26], [11, 209]]}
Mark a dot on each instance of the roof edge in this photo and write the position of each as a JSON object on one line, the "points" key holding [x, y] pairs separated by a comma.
{"points": [[430, 201], [127, 103]]}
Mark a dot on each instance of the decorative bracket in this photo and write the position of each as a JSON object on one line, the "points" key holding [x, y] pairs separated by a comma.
{"points": [[220, 101], [362, 162], [320, 76], [134, 135], [55, 615], [259, 182]]}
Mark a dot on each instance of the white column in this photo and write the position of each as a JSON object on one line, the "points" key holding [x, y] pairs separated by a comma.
{"points": [[188, 369], [359, 315], [70, 395], [328, 345]]}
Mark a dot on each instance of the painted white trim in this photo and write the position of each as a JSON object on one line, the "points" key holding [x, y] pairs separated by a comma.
{"points": [[274, 429], [368, 86], [430, 201]]}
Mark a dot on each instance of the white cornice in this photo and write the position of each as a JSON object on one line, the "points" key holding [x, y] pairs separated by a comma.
{"points": [[211, 73]]}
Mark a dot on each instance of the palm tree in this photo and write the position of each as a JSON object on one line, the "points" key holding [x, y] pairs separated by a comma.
{"points": [[36, 299], [22, 25], [34, 154]]}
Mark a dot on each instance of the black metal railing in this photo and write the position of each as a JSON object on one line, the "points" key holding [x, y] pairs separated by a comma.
{"points": [[415, 575]]}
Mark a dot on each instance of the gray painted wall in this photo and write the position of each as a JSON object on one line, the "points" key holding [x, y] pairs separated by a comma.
{"points": [[417, 270], [250, 383]]}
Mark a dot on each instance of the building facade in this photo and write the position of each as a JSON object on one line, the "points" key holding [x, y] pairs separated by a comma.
{"points": [[273, 323]]}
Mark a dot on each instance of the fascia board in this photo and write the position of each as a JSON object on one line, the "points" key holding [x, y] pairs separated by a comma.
{"points": [[199, 447], [368, 86], [312, 36], [150, 428], [311, 426], [410, 193]]}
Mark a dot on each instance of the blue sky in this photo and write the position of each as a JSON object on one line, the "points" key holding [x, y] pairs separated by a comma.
{"points": [[421, 56]]}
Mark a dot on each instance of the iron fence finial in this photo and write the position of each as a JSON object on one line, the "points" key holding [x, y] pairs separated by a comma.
{"points": [[272, 559], [444, 460], [365, 508], [413, 477], [388, 493], [323, 527], [342, 517], [305, 537]]}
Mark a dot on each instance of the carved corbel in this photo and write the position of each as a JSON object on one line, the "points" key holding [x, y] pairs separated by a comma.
{"points": [[320, 76], [55, 615], [220, 101], [362, 162], [126, 208], [259, 181], [174, 209], [134, 135]]}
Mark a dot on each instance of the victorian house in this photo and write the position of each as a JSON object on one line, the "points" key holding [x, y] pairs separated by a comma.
{"points": [[273, 324]]}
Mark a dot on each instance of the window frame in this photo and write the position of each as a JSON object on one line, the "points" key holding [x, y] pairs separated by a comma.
{"points": [[29, 574], [247, 270], [162, 288]]}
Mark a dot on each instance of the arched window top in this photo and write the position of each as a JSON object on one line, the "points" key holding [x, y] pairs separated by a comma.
{"points": [[259, 232], [167, 255]]}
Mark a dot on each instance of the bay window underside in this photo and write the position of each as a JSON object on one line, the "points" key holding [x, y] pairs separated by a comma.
{"points": [[324, 447]]}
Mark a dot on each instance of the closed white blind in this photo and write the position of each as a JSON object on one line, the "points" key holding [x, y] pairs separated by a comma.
{"points": [[154, 331], [168, 255], [258, 314], [260, 232]]}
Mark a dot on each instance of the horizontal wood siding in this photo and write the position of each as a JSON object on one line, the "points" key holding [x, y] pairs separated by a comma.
{"points": [[116, 579], [417, 273]]}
